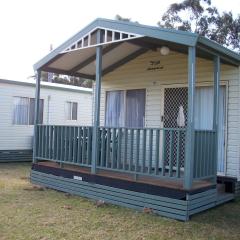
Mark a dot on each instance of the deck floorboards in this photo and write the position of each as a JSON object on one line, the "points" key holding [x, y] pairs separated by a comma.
{"points": [[168, 183]]}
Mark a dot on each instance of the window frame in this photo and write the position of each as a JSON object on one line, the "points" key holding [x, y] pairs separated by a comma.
{"points": [[71, 104], [125, 106], [29, 112]]}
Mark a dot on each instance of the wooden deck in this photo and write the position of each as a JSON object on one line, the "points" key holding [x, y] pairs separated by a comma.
{"points": [[174, 184], [164, 197]]}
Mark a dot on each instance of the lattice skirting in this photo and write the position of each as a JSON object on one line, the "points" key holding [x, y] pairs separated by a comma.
{"points": [[167, 207], [15, 156]]}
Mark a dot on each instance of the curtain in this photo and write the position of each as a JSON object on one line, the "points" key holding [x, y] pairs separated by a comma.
{"points": [[135, 108], [204, 117], [21, 110], [74, 111], [114, 115], [68, 111]]}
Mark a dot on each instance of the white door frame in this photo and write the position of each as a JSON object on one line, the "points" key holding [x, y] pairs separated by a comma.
{"points": [[201, 84]]}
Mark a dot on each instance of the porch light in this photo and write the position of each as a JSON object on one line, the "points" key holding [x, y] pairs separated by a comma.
{"points": [[164, 50]]}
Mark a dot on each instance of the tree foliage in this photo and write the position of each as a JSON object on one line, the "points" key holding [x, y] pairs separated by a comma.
{"points": [[69, 80], [199, 16]]}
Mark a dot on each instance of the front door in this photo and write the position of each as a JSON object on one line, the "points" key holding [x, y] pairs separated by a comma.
{"points": [[175, 116]]}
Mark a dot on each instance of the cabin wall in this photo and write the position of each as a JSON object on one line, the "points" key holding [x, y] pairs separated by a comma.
{"points": [[15, 137], [135, 75]]}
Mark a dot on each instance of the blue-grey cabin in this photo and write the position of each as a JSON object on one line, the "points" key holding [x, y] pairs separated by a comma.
{"points": [[165, 132]]}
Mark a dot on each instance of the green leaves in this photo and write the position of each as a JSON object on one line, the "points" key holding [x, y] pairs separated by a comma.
{"points": [[201, 17]]}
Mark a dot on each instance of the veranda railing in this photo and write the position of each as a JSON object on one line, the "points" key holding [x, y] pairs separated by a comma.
{"points": [[156, 152]]}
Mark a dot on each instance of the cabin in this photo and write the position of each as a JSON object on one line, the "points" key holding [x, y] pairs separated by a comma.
{"points": [[165, 133], [58, 105]]}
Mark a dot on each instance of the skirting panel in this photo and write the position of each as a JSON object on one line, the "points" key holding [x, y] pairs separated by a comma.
{"points": [[15, 156], [237, 189], [167, 207]]}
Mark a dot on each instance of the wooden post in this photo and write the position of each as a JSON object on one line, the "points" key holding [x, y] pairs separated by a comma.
{"points": [[96, 121], [36, 114], [216, 109], [189, 144]]}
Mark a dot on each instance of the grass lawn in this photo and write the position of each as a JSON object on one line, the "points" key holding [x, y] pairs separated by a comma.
{"points": [[27, 213]]}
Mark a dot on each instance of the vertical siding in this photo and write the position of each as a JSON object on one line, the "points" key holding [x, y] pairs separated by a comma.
{"points": [[14, 137], [134, 75]]}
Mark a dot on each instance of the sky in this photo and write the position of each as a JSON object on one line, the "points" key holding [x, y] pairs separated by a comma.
{"points": [[29, 27]]}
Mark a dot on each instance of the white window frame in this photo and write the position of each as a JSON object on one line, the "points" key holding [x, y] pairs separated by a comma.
{"points": [[71, 111], [202, 84], [125, 104], [28, 117]]}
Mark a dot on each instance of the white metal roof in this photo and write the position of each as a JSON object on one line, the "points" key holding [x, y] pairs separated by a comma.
{"points": [[58, 86]]}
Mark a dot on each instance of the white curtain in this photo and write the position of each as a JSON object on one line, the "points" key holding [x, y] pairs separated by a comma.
{"points": [[114, 116], [204, 117], [21, 110], [68, 111], [135, 108]]}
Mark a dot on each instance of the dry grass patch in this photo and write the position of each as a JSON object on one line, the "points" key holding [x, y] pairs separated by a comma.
{"points": [[48, 215]]}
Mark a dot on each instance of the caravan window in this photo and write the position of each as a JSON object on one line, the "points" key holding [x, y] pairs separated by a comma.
{"points": [[71, 110], [24, 109]]}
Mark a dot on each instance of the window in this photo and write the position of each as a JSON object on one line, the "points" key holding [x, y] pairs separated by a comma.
{"points": [[125, 108], [71, 111], [24, 109]]}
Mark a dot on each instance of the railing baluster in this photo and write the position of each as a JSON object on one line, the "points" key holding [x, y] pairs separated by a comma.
{"points": [[50, 142], [70, 145], [131, 149], [65, 144], [171, 154], [74, 145], [144, 151], [39, 141], [163, 152], [150, 151], [79, 153], [108, 147], [178, 154], [113, 147], [57, 142], [157, 152], [61, 144], [137, 150], [84, 145], [119, 146], [125, 147], [102, 146], [46, 141], [89, 146]]}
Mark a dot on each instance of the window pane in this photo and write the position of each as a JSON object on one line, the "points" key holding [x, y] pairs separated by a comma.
{"points": [[74, 111], [32, 111], [41, 107], [68, 111], [20, 111], [114, 115], [135, 108]]}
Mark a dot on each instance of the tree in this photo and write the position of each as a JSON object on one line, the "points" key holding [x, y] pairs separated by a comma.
{"points": [[199, 16], [120, 18], [68, 80]]}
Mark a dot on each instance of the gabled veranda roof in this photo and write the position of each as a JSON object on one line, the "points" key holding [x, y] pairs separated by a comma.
{"points": [[122, 42]]}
